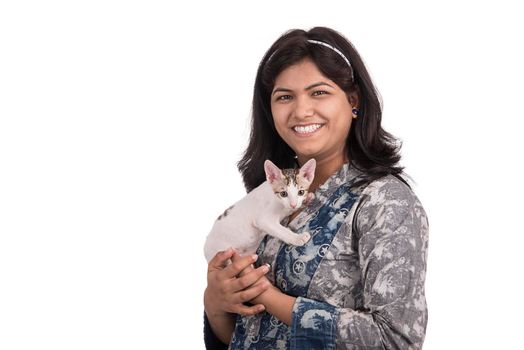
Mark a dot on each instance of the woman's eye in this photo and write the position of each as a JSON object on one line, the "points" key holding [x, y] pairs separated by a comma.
{"points": [[301, 192], [283, 194], [319, 92], [284, 98]]}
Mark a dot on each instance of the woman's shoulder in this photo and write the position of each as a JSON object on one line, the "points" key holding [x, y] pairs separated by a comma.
{"points": [[389, 201], [389, 188], [385, 186], [389, 195]]}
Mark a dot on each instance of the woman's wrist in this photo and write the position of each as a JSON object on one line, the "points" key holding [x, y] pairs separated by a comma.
{"points": [[267, 296], [211, 308], [277, 303], [222, 326], [222, 323]]}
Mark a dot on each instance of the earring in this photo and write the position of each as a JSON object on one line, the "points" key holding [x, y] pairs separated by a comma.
{"points": [[355, 112]]}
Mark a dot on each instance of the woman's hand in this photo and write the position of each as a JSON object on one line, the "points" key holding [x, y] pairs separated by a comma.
{"points": [[274, 301], [227, 291], [258, 299], [228, 288]]}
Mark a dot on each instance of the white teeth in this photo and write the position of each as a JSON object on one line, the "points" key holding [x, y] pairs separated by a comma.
{"points": [[306, 129]]}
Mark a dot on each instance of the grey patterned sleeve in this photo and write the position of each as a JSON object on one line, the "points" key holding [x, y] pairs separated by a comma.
{"points": [[389, 240], [390, 234], [392, 228]]}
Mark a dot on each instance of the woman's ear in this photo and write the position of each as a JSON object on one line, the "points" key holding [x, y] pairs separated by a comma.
{"points": [[354, 97]]}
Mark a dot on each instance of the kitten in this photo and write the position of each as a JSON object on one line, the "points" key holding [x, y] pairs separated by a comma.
{"points": [[244, 225]]}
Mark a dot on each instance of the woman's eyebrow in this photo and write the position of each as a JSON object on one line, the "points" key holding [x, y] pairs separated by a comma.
{"points": [[320, 83], [281, 90]]}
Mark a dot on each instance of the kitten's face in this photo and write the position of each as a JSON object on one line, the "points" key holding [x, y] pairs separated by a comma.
{"points": [[290, 185]]}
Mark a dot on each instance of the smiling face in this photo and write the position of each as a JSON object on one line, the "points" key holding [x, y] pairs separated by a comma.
{"points": [[311, 113]]}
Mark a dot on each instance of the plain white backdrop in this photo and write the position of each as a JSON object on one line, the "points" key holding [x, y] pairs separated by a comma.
{"points": [[121, 123]]}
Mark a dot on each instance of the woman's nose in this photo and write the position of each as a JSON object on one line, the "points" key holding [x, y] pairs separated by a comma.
{"points": [[303, 107]]}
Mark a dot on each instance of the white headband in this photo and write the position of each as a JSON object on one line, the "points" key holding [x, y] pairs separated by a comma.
{"points": [[329, 47]]}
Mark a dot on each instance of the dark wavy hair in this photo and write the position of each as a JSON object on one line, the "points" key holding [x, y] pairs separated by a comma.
{"points": [[369, 147]]}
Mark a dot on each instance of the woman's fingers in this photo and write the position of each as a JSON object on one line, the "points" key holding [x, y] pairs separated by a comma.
{"points": [[220, 260], [232, 281], [251, 293], [249, 278], [238, 264], [249, 310]]}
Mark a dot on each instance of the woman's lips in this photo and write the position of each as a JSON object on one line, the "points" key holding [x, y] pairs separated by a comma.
{"points": [[306, 130]]}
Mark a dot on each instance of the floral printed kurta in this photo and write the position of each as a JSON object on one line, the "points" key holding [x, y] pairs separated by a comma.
{"points": [[359, 281]]}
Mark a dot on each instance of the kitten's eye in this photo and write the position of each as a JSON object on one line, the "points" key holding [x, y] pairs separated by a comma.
{"points": [[283, 194], [301, 192]]}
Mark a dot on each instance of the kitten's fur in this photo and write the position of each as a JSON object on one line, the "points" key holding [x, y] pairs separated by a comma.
{"points": [[244, 225]]}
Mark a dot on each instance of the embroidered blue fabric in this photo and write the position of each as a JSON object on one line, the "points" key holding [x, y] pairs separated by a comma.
{"points": [[313, 323]]}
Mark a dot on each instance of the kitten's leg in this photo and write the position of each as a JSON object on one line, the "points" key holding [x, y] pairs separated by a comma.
{"points": [[282, 233]]}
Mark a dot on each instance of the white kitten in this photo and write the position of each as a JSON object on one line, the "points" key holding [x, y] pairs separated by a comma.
{"points": [[244, 225]]}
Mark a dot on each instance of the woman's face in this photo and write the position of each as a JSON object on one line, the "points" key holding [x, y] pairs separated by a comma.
{"points": [[311, 113]]}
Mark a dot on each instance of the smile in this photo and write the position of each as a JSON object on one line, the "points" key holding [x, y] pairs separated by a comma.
{"points": [[307, 129]]}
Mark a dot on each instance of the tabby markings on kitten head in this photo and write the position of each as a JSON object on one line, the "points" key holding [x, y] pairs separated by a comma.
{"points": [[290, 176], [290, 185]]}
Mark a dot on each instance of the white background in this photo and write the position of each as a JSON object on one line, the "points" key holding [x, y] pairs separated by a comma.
{"points": [[121, 123]]}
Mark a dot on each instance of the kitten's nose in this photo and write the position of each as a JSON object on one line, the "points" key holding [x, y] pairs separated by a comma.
{"points": [[293, 205]]}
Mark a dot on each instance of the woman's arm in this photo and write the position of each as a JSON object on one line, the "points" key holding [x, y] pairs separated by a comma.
{"points": [[277, 303], [392, 229], [227, 292]]}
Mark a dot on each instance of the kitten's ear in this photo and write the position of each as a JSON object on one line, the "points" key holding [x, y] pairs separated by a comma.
{"points": [[308, 170], [272, 171]]}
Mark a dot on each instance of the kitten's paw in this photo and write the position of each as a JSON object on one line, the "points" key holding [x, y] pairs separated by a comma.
{"points": [[302, 239]]}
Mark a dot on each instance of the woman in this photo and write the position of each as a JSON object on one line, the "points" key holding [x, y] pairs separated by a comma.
{"points": [[359, 282]]}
